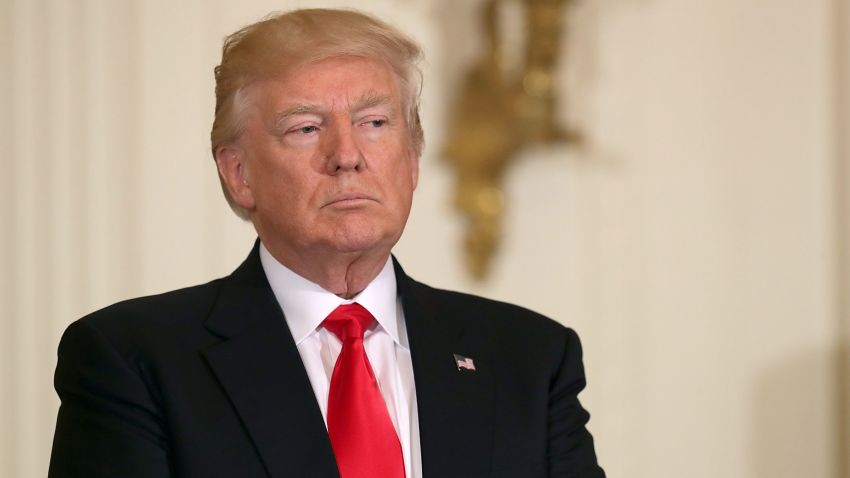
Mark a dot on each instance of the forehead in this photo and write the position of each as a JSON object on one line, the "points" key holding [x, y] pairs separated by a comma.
{"points": [[332, 83]]}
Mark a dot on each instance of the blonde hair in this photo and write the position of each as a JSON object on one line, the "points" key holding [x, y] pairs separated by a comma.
{"points": [[285, 41]]}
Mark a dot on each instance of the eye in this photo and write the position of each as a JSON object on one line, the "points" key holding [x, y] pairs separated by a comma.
{"points": [[376, 123], [307, 129]]}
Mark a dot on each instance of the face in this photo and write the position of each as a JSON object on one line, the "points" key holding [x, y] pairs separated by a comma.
{"points": [[325, 164]]}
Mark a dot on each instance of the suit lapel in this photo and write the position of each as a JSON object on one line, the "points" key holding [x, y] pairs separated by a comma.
{"points": [[259, 367], [455, 406]]}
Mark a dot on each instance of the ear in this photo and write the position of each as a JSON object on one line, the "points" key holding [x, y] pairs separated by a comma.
{"points": [[414, 168], [233, 172]]}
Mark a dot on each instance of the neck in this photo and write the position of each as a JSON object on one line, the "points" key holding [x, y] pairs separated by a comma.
{"points": [[344, 274]]}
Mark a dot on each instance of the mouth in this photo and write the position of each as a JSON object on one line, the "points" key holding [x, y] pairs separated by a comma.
{"points": [[349, 200]]}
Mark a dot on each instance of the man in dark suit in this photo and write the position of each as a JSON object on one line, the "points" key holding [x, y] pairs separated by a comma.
{"points": [[318, 356]]}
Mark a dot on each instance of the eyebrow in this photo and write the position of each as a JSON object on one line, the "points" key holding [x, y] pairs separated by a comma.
{"points": [[296, 110], [370, 100]]}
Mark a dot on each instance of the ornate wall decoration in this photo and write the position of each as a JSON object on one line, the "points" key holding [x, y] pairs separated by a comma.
{"points": [[500, 110]]}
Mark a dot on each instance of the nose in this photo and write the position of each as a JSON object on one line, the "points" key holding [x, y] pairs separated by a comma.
{"points": [[343, 153]]}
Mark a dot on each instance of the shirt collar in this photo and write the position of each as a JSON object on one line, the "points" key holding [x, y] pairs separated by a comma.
{"points": [[306, 304]]}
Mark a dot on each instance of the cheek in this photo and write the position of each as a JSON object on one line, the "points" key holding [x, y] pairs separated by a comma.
{"points": [[409, 171], [279, 172], [403, 187]]}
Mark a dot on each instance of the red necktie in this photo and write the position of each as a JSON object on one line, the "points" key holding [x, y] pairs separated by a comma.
{"points": [[363, 438]]}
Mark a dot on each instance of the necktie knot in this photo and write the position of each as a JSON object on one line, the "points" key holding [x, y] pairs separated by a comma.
{"points": [[349, 321]]}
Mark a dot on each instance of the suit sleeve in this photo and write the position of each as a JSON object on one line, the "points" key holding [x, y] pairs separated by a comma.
{"points": [[571, 453], [109, 424]]}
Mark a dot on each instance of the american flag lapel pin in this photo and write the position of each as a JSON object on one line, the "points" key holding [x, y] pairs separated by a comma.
{"points": [[464, 363]]}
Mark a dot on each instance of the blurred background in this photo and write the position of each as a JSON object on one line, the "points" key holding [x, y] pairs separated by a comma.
{"points": [[697, 240]]}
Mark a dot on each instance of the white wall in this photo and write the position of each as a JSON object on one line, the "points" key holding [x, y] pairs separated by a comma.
{"points": [[693, 243]]}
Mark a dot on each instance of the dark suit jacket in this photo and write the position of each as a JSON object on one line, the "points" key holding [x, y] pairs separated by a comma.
{"points": [[207, 382]]}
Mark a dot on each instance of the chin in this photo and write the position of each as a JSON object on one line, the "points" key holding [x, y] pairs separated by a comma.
{"points": [[363, 240], [354, 245]]}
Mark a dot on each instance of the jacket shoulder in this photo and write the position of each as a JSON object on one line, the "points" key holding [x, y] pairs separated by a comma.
{"points": [[489, 314], [176, 305], [145, 324]]}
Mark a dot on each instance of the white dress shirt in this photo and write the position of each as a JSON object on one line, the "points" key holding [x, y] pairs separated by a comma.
{"points": [[305, 305]]}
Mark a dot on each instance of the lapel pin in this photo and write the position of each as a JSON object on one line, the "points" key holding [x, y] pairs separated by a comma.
{"points": [[464, 363]]}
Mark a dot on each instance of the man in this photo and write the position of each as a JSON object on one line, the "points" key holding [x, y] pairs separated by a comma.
{"points": [[318, 356]]}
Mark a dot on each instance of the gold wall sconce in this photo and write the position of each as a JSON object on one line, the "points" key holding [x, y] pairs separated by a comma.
{"points": [[500, 110]]}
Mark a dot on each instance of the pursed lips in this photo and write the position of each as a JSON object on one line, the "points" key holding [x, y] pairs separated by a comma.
{"points": [[352, 198]]}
